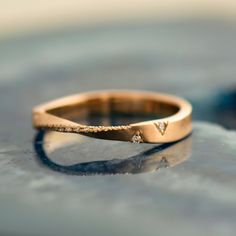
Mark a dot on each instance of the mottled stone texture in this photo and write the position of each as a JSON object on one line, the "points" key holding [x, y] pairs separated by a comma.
{"points": [[188, 188]]}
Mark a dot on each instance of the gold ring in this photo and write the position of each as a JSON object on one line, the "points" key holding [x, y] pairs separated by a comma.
{"points": [[172, 119]]}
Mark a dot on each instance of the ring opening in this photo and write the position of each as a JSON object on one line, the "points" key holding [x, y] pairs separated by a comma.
{"points": [[114, 110]]}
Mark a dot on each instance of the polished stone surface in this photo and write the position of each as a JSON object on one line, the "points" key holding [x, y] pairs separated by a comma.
{"points": [[58, 184]]}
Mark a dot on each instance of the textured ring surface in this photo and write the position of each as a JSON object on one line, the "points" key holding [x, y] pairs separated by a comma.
{"points": [[173, 122]]}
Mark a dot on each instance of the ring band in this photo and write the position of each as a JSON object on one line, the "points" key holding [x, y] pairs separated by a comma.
{"points": [[174, 112]]}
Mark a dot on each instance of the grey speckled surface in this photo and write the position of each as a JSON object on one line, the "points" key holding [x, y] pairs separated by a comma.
{"points": [[195, 196]]}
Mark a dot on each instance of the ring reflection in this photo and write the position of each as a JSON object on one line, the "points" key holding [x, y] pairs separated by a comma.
{"points": [[47, 144]]}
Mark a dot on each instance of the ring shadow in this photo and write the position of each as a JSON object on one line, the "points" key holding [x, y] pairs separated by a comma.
{"points": [[153, 159]]}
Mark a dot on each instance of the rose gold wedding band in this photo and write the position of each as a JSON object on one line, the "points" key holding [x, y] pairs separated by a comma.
{"points": [[174, 124]]}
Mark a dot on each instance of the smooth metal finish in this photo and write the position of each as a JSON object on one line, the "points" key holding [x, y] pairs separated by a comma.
{"points": [[174, 124]]}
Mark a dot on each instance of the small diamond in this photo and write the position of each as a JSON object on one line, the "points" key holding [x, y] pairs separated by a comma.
{"points": [[69, 129], [77, 129], [61, 129], [137, 138], [161, 126]]}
